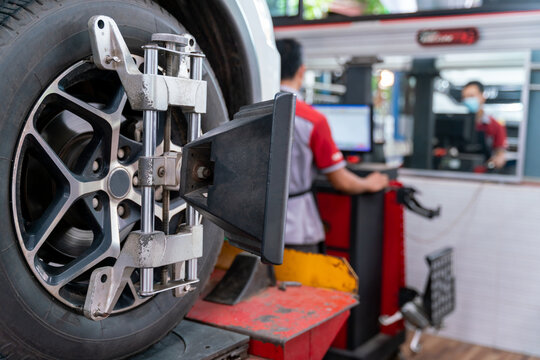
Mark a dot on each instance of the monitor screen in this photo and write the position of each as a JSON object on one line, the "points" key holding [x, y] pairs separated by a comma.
{"points": [[350, 125]]}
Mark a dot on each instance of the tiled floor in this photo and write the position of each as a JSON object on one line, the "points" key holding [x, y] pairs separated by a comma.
{"points": [[437, 348]]}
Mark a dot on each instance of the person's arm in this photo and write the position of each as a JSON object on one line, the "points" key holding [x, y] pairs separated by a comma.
{"points": [[329, 160], [348, 182], [500, 143]]}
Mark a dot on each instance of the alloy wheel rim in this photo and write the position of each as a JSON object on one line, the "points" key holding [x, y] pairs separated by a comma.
{"points": [[71, 205]]}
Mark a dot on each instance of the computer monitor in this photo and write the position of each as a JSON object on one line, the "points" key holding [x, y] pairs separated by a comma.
{"points": [[351, 126]]}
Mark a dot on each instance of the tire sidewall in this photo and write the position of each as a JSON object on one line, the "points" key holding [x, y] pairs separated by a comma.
{"points": [[39, 53]]}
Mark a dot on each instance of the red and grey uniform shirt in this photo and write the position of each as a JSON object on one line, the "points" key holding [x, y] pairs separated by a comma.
{"points": [[313, 151], [495, 133]]}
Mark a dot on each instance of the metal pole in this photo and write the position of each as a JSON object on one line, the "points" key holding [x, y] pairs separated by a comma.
{"points": [[171, 70], [194, 129], [149, 146], [167, 139]]}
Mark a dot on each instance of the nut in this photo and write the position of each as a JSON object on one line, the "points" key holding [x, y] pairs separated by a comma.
{"points": [[161, 171]]}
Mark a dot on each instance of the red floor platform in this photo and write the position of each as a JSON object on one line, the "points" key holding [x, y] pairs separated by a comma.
{"points": [[299, 323]]}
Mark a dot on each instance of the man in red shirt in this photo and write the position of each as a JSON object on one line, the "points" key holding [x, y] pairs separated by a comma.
{"points": [[314, 151], [494, 133]]}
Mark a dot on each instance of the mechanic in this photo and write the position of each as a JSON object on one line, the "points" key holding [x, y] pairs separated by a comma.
{"points": [[494, 134], [313, 150]]}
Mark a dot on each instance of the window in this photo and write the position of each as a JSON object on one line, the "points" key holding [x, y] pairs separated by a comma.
{"points": [[283, 8], [296, 12]]}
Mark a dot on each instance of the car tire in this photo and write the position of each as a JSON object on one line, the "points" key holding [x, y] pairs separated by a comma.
{"points": [[38, 41]]}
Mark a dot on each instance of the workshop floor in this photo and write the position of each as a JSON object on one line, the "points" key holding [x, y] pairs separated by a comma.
{"points": [[446, 349]]}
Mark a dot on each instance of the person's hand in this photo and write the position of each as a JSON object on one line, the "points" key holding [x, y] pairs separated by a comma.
{"points": [[376, 182], [498, 160]]}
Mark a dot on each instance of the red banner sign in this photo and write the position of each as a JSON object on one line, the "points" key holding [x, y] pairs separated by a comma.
{"points": [[440, 37]]}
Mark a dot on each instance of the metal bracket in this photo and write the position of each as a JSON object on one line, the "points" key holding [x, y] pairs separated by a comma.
{"points": [[144, 91], [142, 251], [157, 249], [386, 320], [415, 345], [150, 92], [161, 170], [413, 312], [180, 64]]}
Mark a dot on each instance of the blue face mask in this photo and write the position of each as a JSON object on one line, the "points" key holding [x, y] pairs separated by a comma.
{"points": [[472, 104]]}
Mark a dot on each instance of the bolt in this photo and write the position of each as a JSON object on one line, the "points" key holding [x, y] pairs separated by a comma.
{"points": [[135, 181], [95, 166], [161, 171], [121, 153], [121, 210], [187, 288], [203, 172], [109, 59], [95, 203]]}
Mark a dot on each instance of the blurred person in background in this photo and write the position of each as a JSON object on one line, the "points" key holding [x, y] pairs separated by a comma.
{"points": [[494, 133], [313, 152]]}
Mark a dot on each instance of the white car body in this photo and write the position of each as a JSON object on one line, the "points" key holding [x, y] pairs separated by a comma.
{"points": [[264, 58]]}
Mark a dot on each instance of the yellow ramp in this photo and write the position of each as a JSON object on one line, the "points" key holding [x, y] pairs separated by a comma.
{"points": [[316, 270]]}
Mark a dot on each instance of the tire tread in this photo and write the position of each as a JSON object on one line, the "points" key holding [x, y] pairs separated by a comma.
{"points": [[16, 14]]}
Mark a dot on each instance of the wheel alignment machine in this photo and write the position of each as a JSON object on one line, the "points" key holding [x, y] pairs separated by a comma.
{"points": [[211, 172]]}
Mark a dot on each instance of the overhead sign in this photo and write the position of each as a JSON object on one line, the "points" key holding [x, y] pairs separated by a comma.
{"points": [[440, 37]]}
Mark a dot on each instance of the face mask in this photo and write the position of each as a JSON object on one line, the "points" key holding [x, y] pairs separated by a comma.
{"points": [[472, 104]]}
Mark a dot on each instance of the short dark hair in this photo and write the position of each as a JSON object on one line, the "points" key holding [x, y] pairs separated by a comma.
{"points": [[476, 83], [291, 57]]}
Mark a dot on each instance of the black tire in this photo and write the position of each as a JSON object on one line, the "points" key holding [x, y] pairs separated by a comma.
{"points": [[39, 40]]}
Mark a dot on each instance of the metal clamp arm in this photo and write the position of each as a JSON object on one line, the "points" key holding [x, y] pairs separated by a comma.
{"points": [[141, 251], [144, 91], [151, 92]]}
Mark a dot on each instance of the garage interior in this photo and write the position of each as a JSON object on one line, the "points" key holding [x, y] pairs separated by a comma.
{"points": [[270, 179]]}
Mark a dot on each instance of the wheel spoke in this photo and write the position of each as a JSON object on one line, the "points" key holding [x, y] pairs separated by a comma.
{"points": [[116, 120], [40, 229], [48, 155], [112, 230], [132, 217], [91, 155], [82, 264], [106, 123], [107, 245], [177, 206], [119, 104], [81, 188], [71, 187], [74, 185], [135, 150], [133, 167], [99, 119]]}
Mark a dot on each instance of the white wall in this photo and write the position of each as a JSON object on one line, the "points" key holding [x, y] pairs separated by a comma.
{"points": [[495, 232]]}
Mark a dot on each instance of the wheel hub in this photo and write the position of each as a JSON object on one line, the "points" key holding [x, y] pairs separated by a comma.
{"points": [[119, 183]]}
